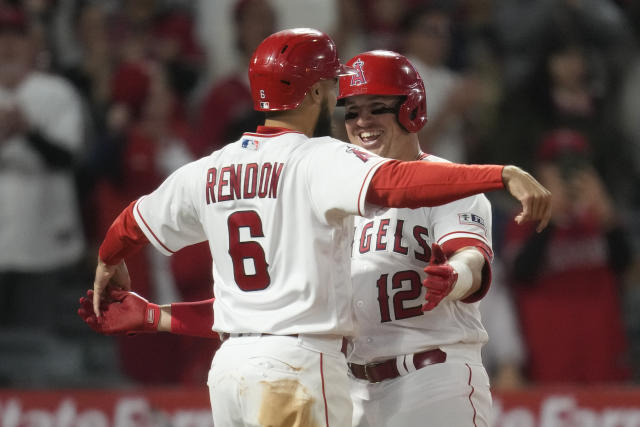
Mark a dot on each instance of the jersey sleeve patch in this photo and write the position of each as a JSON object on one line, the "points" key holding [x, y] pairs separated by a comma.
{"points": [[468, 218]]}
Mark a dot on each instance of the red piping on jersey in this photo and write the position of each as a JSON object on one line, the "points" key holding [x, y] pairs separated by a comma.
{"points": [[324, 396], [362, 186], [483, 238], [151, 231], [270, 131], [470, 394]]}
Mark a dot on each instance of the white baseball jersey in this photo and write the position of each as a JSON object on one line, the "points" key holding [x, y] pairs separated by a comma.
{"points": [[277, 209], [390, 252]]}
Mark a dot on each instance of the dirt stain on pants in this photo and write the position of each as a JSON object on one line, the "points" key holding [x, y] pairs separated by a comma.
{"points": [[286, 403]]}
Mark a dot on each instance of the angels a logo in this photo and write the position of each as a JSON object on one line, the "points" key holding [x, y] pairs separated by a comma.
{"points": [[358, 79], [359, 154]]}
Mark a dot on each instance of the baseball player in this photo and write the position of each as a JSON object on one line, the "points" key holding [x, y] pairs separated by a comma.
{"points": [[431, 354], [277, 208], [413, 363]]}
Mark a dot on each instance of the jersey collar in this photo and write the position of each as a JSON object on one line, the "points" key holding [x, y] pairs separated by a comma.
{"points": [[271, 130]]}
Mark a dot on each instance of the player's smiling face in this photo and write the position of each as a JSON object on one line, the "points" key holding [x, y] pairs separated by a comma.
{"points": [[371, 123]]}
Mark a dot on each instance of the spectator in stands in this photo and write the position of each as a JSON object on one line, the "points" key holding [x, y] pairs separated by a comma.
{"points": [[41, 240], [566, 279], [527, 28], [383, 22], [450, 96], [227, 109], [349, 30], [566, 92], [146, 149]]}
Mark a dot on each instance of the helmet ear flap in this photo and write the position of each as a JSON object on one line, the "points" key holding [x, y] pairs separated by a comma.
{"points": [[412, 114]]}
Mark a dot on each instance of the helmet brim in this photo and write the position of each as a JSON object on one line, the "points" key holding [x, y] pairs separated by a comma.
{"points": [[345, 70]]}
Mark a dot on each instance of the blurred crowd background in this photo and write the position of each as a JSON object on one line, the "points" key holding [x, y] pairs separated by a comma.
{"points": [[101, 100]]}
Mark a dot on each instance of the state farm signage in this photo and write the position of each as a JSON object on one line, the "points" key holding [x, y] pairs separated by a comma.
{"points": [[94, 408], [536, 407], [568, 407]]}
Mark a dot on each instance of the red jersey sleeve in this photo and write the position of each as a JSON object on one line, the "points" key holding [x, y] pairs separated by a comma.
{"points": [[416, 184], [123, 238]]}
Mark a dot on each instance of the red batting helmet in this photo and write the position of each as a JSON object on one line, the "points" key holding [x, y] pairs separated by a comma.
{"points": [[382, 72], [286, 64]]}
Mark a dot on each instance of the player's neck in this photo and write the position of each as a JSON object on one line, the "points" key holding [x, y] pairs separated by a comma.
{"points": [[291, 121], [406, 149], [281, 124], [302, 119]]}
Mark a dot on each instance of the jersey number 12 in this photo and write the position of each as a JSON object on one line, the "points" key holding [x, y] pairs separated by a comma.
{"points": [[398, 310]]}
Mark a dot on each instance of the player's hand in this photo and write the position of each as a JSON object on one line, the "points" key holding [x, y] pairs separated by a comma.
{"points": [[535, 199], [112, 276], [441, 277], [123, 312]]}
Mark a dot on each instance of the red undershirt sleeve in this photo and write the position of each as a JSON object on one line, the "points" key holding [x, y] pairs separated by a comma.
{"points": [[123, 238], [193, 318], [417, 184]]}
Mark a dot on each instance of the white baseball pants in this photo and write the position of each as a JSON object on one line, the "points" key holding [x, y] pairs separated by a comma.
{"points": [[451, 394], [267, 380]]}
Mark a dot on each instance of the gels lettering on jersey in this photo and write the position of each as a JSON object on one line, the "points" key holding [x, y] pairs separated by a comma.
{"points": [[393, 235]]}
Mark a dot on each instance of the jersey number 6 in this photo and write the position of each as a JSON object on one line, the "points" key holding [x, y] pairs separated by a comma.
{"points": [[247, 250]]}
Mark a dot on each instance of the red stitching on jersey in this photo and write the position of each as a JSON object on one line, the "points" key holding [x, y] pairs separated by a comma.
{"points": [[362, 186], [151, 231], [324, 396], [470, 394]]}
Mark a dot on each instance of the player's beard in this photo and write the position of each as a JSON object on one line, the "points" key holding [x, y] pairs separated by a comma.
{"points": [[323, 125]]}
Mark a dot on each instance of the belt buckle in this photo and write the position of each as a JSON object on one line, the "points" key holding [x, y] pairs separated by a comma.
{"points": [[368, 366]]}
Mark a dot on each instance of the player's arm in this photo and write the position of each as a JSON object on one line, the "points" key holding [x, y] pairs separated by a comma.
{"points": [[123, 238], [415, 184], [460, 277], [468, 263], [125, 312]]}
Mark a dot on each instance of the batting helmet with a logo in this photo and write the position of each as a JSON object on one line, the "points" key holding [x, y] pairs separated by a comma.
{"points": [[382, 72], [286, 64]]}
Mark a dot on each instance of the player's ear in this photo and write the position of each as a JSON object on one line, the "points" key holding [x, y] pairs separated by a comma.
{"points": [[316, 92]]}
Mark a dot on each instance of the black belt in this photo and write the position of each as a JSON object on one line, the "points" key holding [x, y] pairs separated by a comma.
{"points": [[388, 369]]}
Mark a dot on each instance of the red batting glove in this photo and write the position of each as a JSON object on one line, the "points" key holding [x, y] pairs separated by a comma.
{"points": [[440, 278], [124, 312]]}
